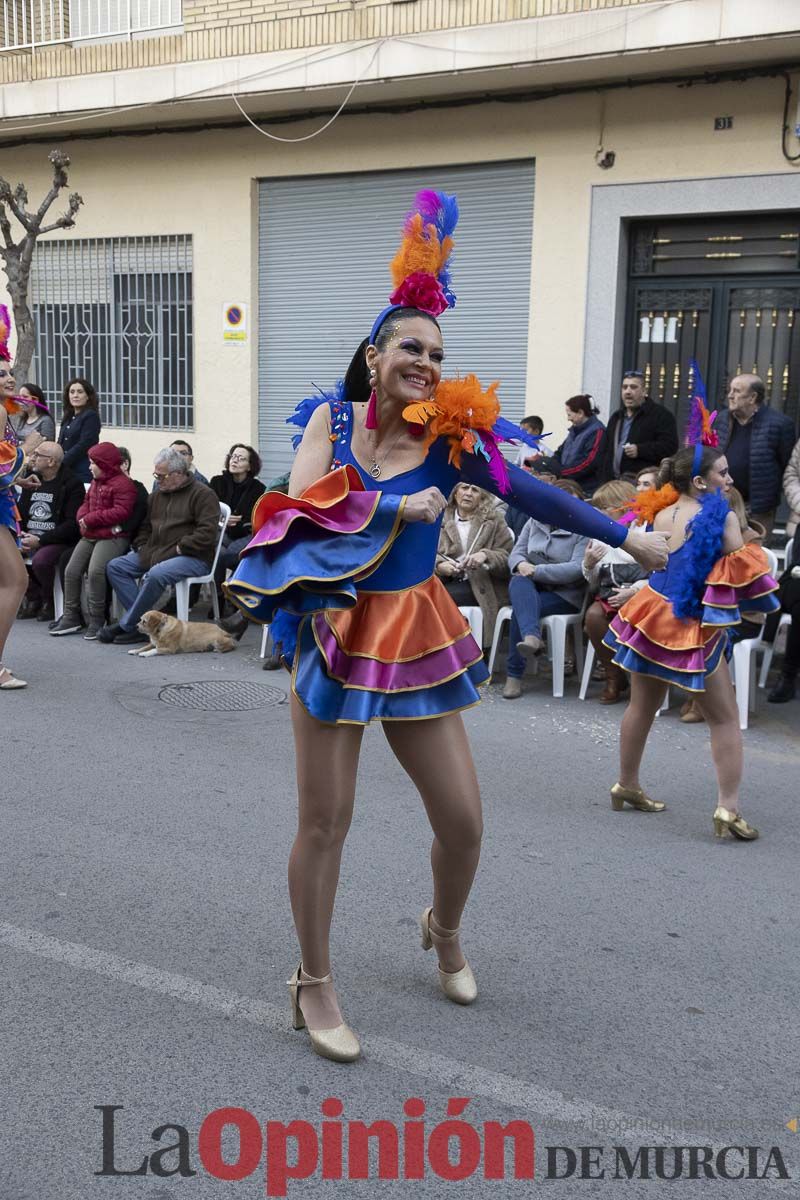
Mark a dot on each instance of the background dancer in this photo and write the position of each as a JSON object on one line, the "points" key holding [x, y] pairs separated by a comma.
{"points": [[377, 637], [674, 630]]}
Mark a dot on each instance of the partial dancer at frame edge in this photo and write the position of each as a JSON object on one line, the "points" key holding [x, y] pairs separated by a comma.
{"points": [[343, 570], [13, 576]]}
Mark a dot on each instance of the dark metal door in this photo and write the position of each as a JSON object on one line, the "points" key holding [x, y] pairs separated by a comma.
{"points": [[727, 327], [724, 291]]}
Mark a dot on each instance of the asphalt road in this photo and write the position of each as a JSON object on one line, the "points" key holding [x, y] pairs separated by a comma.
{"points": [[638, 978]]}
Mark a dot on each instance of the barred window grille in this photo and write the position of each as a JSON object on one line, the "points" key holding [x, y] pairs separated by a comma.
{"points": [[118, 311]]}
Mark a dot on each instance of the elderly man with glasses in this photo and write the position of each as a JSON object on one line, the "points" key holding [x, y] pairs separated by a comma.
{"points": [[177, 540], [640, 433], [48, 508]]}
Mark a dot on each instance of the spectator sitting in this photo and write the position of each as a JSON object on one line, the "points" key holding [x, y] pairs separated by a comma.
{"points": [[80, 426], [791, 486], [613, 577], [132, 526], [472, 561], [786, 688], [176, 541], [239, 487], [647, 479], [34, 424], [186, 450], [640, 433], [580, 455], [757, 441], [546, 579], [48, 508], [535, 427], [108, 505]]}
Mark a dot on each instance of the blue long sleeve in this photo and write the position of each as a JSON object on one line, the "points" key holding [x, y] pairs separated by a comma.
{"points": [[546, 503]]}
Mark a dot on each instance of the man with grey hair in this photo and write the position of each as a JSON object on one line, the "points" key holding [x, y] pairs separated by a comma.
{"points": [[176, 540], [758, 442]]}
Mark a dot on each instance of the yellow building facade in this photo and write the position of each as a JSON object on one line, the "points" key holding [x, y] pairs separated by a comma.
{"points": [[622, 130]]}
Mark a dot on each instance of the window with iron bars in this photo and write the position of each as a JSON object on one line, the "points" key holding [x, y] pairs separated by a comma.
{"points": [[118, 311]]}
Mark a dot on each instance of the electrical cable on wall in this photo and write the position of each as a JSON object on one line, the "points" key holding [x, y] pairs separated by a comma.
{"points": [[308, 136], [787, 99]]}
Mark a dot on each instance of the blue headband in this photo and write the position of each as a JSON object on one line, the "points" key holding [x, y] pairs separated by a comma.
{"points": [[381, 317]]}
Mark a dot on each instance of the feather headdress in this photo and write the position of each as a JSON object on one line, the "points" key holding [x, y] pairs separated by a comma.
{"points": [[5, 333], [421, 267], [700, 426]]}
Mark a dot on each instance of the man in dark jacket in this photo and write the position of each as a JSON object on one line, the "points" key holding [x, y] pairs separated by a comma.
{"points": [[640, 433], [176, 541], [48, 507], [758, 442]]}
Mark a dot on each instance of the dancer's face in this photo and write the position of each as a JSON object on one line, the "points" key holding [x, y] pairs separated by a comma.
{"points": [[718, 478], [7, 382], [410, 366]]}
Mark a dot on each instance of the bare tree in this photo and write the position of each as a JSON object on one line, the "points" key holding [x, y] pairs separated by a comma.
{"points": [[18, 256]]}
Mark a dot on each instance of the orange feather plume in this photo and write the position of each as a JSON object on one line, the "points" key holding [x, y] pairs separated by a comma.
{"points": [[420, 251], [647, 505], [460, 405]]}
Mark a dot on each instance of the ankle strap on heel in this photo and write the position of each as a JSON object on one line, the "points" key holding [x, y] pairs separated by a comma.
{"points": [[297, 979]]}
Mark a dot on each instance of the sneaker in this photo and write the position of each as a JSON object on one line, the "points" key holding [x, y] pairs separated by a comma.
{"points": [[92, 632], [66, 625], [46, 613], [109, 632], [513, 689], [130, 637], [29, 609]]}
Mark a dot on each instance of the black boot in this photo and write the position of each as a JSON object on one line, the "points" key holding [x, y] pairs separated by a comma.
{"points": [[784, 691], [235, 625]]}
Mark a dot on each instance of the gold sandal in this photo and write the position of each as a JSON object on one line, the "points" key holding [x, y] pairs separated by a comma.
{"points": [[10, 683], [458, 986], [726, 822], [339, 1044], [636, 797]]}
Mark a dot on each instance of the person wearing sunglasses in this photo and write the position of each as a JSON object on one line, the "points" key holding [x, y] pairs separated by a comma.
{"points": [[640, 433]]}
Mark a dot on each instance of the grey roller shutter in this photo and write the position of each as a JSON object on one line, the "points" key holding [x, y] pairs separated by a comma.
{"points": [[325, 244]]}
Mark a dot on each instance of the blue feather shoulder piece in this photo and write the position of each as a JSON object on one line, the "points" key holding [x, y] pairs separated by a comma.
{"points": [[304, 410], [702, 549]]}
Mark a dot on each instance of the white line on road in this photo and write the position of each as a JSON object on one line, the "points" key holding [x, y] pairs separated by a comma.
{"points": [[449, 1073]]}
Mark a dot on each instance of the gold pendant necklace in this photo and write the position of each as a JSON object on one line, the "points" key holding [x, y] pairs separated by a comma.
{"points": [[375, 469]]}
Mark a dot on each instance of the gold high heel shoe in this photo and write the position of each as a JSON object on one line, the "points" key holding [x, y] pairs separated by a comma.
{"points": [[726, 822], [339, 1044], [458, 986], [636, 797]]}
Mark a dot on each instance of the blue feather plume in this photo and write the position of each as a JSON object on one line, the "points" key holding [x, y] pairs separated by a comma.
{"points": [[507, 431], [704, 535], [306, 408]]}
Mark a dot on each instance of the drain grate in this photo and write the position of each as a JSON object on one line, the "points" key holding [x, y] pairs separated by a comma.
{"points": [[221, 695]]}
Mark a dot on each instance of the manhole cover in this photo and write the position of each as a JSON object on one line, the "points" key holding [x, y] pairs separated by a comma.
{"points": [[221, 695]]}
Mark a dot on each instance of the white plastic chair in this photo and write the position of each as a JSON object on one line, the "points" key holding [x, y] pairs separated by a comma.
{"points": [[588, 666], [784, 623], [183, 585], [264, 641], [556, 629], [475, 617]]}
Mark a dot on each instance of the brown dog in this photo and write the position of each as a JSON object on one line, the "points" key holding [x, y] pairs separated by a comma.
{"points": [[168, 635]]}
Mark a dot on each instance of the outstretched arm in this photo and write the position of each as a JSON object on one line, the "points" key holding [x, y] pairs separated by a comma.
{"points": [[553, 506]]}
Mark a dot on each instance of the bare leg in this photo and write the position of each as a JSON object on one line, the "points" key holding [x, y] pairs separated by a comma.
{"points": [[647, 696], [13, 583], [718, 706], [436, 756], [327, 761]]}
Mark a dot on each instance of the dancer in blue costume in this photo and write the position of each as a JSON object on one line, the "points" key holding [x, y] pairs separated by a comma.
{"points": [[350, 555], [13, 576]]}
